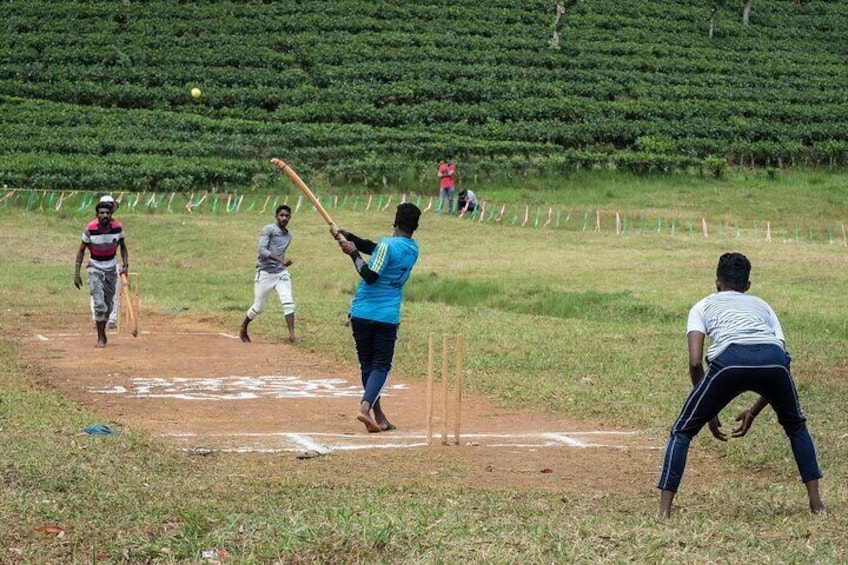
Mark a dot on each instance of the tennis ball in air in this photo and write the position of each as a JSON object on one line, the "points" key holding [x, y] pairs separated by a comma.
{"points": [[195, 92]]}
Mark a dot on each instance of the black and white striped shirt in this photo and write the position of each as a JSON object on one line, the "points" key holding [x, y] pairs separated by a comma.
{"points": [[730, 317]]}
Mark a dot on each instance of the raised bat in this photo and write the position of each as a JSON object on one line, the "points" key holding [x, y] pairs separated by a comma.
{"points": [[311, 197]]}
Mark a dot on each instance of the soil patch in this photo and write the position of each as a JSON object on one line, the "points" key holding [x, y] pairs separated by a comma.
{"points": [[197, 384]]}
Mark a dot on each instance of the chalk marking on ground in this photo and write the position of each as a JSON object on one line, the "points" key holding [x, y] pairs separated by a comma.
{"points": [[568, 440], [237, 387], [307, 443], [350, 442], [66, 335]]}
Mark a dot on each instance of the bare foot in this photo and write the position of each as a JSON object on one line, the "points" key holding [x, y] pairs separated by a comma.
{"points": [[243, 335], [820, 509], [385, 425], [292, 339], [100, 343], [369, 422]]}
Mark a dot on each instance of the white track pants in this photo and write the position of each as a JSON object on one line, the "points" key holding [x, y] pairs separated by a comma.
{"points": [[264, 284]]}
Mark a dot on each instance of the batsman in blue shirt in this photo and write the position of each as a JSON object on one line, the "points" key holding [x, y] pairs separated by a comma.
{"points": [[376, 306]]}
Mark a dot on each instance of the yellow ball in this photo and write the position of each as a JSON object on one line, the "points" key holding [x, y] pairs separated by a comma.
{"points": [[195, 93]]}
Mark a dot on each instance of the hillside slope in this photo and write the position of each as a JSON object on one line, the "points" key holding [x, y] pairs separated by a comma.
{"points": [[97, 94]]}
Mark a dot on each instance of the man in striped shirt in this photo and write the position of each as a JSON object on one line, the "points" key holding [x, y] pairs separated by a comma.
{"points": [[102, 237], [746, 353], [112, 323]]}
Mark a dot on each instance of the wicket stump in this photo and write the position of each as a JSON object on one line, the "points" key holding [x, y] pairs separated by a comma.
{"points": [[458, 350]]}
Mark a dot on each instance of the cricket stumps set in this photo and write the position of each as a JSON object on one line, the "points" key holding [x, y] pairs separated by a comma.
{"points": [[447, 399]]}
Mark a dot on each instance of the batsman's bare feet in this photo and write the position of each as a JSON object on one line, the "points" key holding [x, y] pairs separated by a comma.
{"points": [[243, 335], [369, 422]]}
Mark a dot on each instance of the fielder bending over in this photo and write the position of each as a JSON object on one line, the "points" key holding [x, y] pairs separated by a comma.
{"points": [[747, 353]]}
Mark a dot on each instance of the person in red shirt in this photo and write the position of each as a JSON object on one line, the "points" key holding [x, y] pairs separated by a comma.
{"points": [[447, 182]]}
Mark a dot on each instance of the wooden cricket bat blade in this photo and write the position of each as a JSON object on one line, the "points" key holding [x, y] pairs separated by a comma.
{"points": [[133, 319], [307, 192]]}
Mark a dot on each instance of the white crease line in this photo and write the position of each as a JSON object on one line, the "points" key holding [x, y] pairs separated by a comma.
{"points": [[290, 434], [189, 333], [307, 443], [558, 437], [601, 432], [624, 447], [326, 450], [148, 332], [567, 440], [329, 449], [541, 434]]}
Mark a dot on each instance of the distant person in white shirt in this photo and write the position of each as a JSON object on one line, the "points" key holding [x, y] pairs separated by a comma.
{"points": [[466, 201], [746, 353]]}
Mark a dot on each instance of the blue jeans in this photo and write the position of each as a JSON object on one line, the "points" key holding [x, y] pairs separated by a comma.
{"points": [[445, 198], [763, 369], [375, 348]]}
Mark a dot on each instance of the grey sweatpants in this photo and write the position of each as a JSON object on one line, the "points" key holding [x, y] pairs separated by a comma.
{"points": [[101, 286]]}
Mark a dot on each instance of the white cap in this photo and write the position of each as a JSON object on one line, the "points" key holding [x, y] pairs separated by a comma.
{"points": [[109, 199]]}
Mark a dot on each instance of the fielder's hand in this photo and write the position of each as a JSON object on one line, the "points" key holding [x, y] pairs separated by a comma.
{"points": [[715, 428], [77, 281], [747, 419]]}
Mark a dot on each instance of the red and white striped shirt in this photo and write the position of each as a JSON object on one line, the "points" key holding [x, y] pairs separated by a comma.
{"points": [[103, 245]]}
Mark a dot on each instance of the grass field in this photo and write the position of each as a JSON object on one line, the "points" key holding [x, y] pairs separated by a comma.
{"points": [[585, 325]]}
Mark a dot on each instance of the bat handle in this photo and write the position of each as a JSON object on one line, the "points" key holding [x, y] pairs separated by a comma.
{"points": [[337, 235]]}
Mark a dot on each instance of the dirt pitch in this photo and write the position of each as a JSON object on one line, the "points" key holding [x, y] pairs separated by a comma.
{"points": [[195, 383]]}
